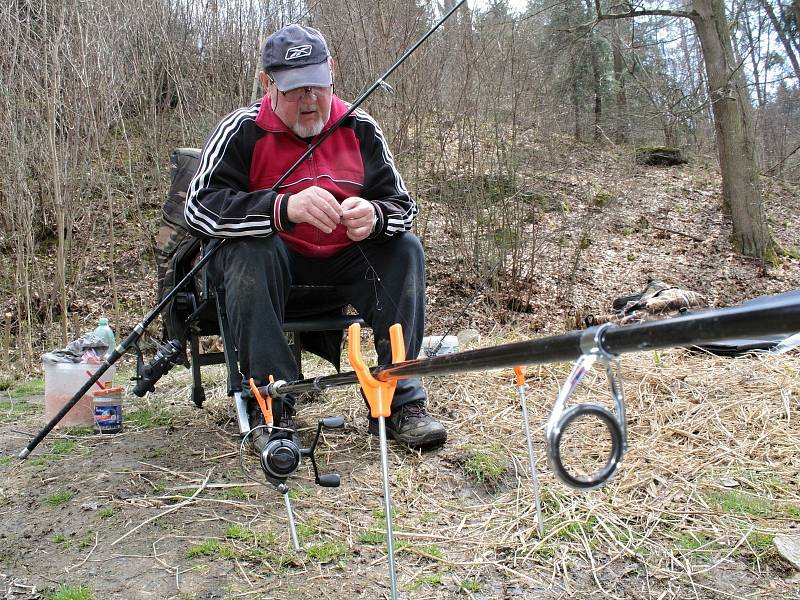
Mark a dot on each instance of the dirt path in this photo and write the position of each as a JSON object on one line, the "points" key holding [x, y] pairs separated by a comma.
{"points": [[164, 511]]}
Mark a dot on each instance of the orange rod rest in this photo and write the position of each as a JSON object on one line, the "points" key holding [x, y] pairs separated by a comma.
{"points": [[398, 343], [379, 394], [518, 371], [266, 407]]}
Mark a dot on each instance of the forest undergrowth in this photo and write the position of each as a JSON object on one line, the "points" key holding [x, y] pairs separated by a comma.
{"points": [[709, 483]]}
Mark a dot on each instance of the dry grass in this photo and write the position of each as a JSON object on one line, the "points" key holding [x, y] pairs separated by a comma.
{"points": [[711, 475]]}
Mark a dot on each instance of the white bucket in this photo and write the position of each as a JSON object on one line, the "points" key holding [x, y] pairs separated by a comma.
{"points": [[61, 382], [449, 344]]}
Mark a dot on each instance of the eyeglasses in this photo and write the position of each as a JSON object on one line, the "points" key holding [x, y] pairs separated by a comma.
{"points": [[297, 94]]}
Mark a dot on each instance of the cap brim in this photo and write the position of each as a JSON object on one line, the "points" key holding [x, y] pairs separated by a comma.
{"points": [[318, 75]]}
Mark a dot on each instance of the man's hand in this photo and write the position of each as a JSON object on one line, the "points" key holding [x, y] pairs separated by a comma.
{"points": [[315, 206], [358, 217]]}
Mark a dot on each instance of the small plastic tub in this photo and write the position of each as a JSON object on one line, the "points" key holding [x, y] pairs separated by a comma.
{"points": [[107, 406]]}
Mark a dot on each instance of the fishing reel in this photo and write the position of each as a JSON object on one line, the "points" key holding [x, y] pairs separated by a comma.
{"points": [[148, 374], [560, 419], [282, 455]]}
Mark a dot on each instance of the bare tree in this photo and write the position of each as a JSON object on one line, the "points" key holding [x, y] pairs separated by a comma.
{"points": [[621, 99], [787, 46], [733, 121]]}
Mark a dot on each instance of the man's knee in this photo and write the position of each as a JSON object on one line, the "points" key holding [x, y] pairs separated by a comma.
{"points": [[251, 249], [407, 248], [407, 265], [248, 267]]}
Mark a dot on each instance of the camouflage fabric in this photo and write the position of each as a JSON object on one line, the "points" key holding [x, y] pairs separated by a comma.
{"points": [[658, 300], [174, 243]]}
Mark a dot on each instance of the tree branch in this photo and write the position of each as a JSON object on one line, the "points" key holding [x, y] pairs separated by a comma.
{"points": [[641, 13]]}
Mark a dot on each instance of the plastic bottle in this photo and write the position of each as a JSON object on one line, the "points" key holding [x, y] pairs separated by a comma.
{"points": [[105, 333], [442, 345]]}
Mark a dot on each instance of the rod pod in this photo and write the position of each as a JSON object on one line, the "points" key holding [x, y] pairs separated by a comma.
{"points": [[537, 495]]}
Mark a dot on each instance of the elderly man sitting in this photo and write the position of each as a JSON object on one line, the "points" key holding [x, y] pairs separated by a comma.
{"points": [[342, 218]]}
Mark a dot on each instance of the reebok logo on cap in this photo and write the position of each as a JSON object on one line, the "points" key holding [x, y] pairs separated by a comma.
{"points": [[298, 52]]}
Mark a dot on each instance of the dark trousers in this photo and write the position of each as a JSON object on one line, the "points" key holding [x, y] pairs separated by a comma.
{"points": [[386, 287]]}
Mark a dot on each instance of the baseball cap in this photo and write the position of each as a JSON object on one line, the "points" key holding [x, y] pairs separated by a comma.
{"points": [[297, 56]]}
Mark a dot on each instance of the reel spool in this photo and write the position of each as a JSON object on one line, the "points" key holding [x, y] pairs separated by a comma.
{"points": [[280, 458]]}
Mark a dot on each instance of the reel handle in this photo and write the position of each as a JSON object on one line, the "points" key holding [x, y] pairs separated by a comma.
{"points": [[326, 479], [329, 480]]}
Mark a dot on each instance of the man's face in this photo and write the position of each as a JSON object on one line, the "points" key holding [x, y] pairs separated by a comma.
{"points": [[305, 114]]}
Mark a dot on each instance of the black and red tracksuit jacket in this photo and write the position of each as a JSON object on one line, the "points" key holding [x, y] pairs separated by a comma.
{"points": [[251, 148]]}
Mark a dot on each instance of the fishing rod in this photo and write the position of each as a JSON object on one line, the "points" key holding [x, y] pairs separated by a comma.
{"points": [[604, 344], [167, 356], [778, 316], [285, 457]]}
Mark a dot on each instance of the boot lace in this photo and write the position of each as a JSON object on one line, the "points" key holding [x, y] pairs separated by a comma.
{"points": [[415, 410]]}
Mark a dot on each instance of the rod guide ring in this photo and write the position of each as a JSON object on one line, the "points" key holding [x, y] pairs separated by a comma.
{"points": [[593, 350]]}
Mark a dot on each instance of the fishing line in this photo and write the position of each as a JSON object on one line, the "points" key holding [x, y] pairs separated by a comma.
{"points": [[371, 275], [377, 279]]}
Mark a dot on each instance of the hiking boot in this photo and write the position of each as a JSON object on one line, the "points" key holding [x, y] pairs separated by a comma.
{"points": [[260, 434], [413, 426]]}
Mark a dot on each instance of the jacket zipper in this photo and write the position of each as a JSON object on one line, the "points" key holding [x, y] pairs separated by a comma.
{"points": [[312, 168]]}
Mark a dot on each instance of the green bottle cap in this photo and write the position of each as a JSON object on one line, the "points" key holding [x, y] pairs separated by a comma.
{"points": [[103, 321]]}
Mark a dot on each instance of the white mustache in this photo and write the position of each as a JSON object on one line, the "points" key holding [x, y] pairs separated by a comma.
{"points": [[309, 130]]}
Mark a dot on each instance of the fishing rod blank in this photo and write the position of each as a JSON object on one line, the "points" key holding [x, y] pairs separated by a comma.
{"points": [[603, 344], [779, 315]]}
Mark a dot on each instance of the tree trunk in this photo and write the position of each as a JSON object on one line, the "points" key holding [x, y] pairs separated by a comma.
{"points": [[761, 90], [621, 108], [733, 122], [576, 109], [59, 202], [670, 133], [593, 47], [796, 10], [782, 37], [597, 86], [694, 83]]}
